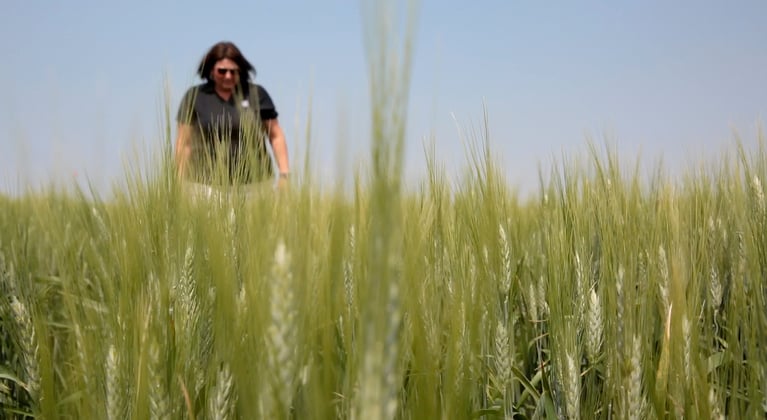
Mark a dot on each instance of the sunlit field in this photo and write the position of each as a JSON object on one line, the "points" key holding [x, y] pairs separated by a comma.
{"points": [[612, 293]]}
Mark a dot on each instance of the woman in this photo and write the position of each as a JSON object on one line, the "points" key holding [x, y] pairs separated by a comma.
{"points": [[223, 125]]}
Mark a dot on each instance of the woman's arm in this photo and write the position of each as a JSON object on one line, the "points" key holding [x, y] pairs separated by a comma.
{"points": [[279, 145], [183, 148]]}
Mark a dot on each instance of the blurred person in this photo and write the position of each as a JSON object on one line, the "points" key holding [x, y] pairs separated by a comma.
{"points": [[223, 127]]}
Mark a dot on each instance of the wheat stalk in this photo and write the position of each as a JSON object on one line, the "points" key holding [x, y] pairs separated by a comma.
{"points": [[580, 296], [594, 327], [502, 359], [378, 386], [633, 396], [29, 347], [543, 304], [686, 333], [113, 389], [459, 346], [760, 207], [506, 261], [713, 401], [282, 330], [222, 399], [159, 406], [663, 284], [532, 301], [349, 272], [573, 383]]}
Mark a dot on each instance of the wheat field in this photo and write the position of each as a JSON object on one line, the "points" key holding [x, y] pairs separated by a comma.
{"points": [[603, 298], [612, 293]]}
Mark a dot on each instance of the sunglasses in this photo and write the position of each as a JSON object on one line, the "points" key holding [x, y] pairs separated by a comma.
{"points": [[222, 71]]}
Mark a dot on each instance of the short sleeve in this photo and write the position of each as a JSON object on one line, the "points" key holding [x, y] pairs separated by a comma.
{"points": [[265, 104], [186, 112]]}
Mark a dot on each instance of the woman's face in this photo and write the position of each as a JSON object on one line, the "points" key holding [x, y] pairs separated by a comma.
{"points": [[226, 74]]}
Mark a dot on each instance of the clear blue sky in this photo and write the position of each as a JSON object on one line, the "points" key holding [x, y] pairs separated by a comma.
{"points": [[83, 81]]}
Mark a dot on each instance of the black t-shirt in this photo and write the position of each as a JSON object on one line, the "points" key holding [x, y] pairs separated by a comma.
{"points": [[228, 132]]}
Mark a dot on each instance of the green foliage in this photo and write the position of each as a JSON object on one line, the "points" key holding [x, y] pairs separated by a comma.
{"points": [[604, 296]]}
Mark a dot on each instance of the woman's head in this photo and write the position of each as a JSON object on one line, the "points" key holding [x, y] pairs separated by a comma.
{"points": [[225, 66]]}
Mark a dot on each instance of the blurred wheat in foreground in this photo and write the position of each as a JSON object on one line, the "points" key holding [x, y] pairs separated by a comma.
{"points": [[612, 296]]}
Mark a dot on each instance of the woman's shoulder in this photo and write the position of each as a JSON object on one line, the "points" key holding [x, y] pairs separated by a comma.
{"points": [[258, 90], [186, 109], [190, 95], [256, 87], [196, 88], [260, 96]]}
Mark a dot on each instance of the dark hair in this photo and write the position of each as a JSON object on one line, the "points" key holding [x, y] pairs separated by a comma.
{"points": [[220, 51]]}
